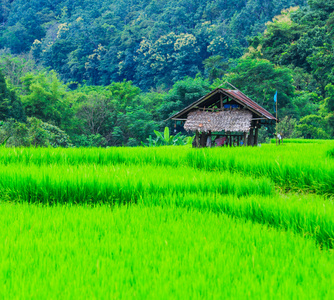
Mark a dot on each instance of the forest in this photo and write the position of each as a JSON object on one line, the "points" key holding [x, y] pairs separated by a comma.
{"points": [[110, 73]]}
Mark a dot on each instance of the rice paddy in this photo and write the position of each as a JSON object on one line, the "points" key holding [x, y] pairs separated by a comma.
{"points": [[167, 222]]}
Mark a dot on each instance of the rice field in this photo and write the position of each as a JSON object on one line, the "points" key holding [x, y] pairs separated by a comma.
{"points": [[167, 222]]}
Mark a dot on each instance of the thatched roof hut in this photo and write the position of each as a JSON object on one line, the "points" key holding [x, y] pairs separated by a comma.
{"points": [[228, 112]]}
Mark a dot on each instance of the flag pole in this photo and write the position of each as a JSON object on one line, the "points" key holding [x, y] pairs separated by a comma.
{"points": [[276, 124]]}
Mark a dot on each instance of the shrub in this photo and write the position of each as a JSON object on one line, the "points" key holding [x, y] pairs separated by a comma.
{"points": [[33, 133]]}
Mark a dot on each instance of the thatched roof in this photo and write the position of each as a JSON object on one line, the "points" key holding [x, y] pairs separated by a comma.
{"points": [[213, 99], [232, 120]]}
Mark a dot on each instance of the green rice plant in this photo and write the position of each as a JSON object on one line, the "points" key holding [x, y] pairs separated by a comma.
{"points": [[233, 194], [299, 141], [119, 183], [330, 153], [152, 252], [298, 167], [309, 216], [207, 222]]}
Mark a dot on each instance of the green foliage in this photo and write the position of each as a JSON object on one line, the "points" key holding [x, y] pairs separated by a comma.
{"points": [[166, 139], [4, 142], [115, 115], [104, 51], [45, 97], [304, 103], [215, 67], [330, 120], [182, 94], [322, 65], [132, 127], [33, 133], [168, 55], [287, 127], [10, 104], [148, 42], [95, 114], [92, 140], [311, 127], [124, 94], [56, 136], [260, 79], [275, 41], [329, 101], [301, 38], [14, 67]]}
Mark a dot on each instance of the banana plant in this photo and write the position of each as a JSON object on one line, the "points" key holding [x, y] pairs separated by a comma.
{"points": [[166, 139], [150, 142]]}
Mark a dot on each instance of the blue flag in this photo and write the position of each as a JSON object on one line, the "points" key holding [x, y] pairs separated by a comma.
{"points": [[275, 100]]}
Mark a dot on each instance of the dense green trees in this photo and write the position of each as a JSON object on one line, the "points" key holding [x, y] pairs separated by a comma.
{"points": [[10, 104], [44, 97], [33, 133], [303, 41], [149, 42], [111, 72], [260, 79], [183, 93]]}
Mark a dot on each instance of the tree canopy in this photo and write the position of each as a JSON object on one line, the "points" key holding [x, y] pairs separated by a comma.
{"points": [[110, 73], [149, 42]]}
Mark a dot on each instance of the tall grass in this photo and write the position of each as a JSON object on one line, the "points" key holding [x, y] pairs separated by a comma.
{"points": [[207, 222], [153, 253], [300, 141], [330, 153], [296, 167], [308, 216], [119, 183], [232, 194], [292, 168]]}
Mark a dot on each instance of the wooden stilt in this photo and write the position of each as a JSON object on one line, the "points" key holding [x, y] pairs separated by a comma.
{"points": [[203, 139], [251, 138], [197, 139], [256, 136]]}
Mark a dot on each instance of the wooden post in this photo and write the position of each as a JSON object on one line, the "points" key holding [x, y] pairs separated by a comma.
{"points": [[221, 101], [251, 138], [197, 139], [203, 139], [256, 136]]}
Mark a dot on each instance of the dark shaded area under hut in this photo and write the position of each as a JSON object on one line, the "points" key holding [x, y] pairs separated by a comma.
{"points": [[224, 118]]}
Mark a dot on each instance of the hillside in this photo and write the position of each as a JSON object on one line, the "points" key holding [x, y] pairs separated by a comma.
{"points": [[150, 42], [109, 73]]}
